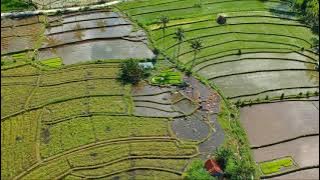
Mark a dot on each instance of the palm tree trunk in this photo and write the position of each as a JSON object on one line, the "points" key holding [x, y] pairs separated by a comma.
{"points": [[178, 51], [164, 33], [194, 59]]}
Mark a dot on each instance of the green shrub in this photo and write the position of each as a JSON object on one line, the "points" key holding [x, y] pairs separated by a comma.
{"points": [[196, 171], [130, 72], [197, 5], [58, 13], [233, 167], [267, 97], [307, 94], [238, 103], [15, 5], [222, 155], [282, 96], [221, 19], [188, 72]]}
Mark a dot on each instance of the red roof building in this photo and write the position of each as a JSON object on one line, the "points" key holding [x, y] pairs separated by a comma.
{"points": [[213, 167]]}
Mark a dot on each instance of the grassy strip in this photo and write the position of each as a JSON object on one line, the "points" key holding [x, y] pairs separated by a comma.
{"points": [[15, 5], [236, 138], [52, 63], [275, 166], [167, 78], [276, 99]]}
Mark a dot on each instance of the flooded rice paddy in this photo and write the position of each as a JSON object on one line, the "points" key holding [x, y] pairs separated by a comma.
{"points": [[284, 129], [100, 35], [111, 49], [274, 122], [76, 37], [19, 34]]}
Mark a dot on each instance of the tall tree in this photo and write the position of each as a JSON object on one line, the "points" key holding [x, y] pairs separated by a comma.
{"points": [[164, 20], [179, 35], [196, 45]]}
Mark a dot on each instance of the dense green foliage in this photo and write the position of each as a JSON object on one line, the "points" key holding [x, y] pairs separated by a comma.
{"points": [[15, 5], [309, 10], [234, 156], [131, 72], [196, 171], [232, 165]]}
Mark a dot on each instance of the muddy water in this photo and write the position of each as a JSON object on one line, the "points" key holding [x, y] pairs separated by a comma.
{"points": [[304, 151], [190, 129], [274, 122], [304, 174], [81, 35], [94, 50], [19, 34], [98, 23], [93, 36], [90, 16]]}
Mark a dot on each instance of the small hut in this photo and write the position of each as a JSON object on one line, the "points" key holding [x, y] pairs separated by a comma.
{"points": [[213, 167]]}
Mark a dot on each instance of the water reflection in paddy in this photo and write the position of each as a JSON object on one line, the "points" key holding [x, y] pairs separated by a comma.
{"points": [[93, 50], [80, 35], [97, 23]]}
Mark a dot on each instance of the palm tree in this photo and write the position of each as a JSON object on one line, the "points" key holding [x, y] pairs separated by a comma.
{"points": [[164, 20], [196, 45], [179, 35]]}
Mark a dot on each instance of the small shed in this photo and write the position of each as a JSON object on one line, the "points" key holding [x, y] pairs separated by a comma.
{"points": [[146, 65], [213, 167]]}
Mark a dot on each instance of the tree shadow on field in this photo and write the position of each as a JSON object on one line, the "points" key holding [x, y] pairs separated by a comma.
{"points": [[45, 135]]}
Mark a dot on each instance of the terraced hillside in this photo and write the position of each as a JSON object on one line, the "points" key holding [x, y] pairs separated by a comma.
{"points": [[262, 53], [77, 121], [63, 117], [262, 50]]}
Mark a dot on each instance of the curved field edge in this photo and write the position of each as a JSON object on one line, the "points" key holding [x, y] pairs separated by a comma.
{"points": [[229, 114]]}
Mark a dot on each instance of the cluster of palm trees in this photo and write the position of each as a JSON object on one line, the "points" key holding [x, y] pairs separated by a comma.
{"points": [[196, 44]]}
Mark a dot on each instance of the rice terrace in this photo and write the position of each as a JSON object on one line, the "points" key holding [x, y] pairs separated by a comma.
{"points": [[160, 89]]}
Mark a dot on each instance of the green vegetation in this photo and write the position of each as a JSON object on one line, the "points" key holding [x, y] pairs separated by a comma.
{"points": [[309, 10], [232, 165], [234, 155], [229, 53], [196, 171], [77, 121], [16, 5], [17, 141], [196, 46], [231, 56], [275, 166], [131, 72], [163, 20], [52, 63], [81, 109], [168, 77], [179, 35]]}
